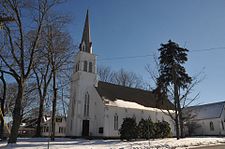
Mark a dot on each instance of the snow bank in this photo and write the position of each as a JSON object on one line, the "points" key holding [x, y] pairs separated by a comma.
{"points": [[42, 143]]}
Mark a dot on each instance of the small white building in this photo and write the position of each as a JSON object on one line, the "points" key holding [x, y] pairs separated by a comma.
{"points": [[208, 118], [97, 108], [60, 126]]}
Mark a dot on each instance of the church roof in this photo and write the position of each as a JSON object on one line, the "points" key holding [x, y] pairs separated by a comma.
{"points": [[146, 98], [206, 111]]}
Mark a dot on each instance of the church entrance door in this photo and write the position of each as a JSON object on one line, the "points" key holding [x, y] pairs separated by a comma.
{"points": [[85, 129]]}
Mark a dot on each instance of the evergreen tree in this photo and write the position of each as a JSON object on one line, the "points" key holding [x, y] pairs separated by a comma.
{"points": [[128, 129], [173, 75], [162, 129], [146, 129]]}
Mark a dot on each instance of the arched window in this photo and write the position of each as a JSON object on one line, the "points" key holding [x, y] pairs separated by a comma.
{"points": [[84, 47], [211, 126], [90, 66], [85, 65], [77, 67], [72, 108], [86, 105], [222, 124], [116, 122]]}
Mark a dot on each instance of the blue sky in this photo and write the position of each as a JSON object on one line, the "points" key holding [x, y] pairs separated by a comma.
{"points": [[135, 28]]}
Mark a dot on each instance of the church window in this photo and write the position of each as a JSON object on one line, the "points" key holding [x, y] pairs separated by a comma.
{"points": [[73, 108], [77, 67], [60, 129], [100, 130], [84, 47], [86, 105], [211, 126], [222, 124], [116, 122], [85, 65], [90, 66]]}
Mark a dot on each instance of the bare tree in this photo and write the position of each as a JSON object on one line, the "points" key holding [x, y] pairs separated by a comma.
{"points": [[59, 48], [11, 90], [120, 77], [105, 74], [18, 62], [129, 79], [43, 76], [2, 98]]}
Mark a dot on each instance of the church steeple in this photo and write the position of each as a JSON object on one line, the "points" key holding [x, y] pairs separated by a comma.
{"points": [[86, 44]]}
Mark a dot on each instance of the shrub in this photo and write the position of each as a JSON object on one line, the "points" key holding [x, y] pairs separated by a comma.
{"points": [[128, 129], [146, 129], [162, 129]]}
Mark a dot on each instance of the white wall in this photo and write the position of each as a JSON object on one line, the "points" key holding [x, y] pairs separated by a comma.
{"points": [[82, 82], [96, 113], [128, 112], [204, 126]]}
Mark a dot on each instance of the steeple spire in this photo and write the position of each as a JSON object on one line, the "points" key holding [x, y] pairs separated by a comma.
{"points": [[85, 44]]}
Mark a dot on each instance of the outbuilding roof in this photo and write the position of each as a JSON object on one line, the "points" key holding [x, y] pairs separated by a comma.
{"points": [[108, 91], [206, 111]]}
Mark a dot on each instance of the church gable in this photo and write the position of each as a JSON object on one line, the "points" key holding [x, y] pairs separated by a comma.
{"points": [[145, 98], [207, 111]]}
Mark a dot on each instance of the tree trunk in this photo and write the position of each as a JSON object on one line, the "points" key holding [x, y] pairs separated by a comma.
{"points": [[17, 116], [177, 126], [181, 120], [40, 116], [176, 102], [2, 127], [177, 123], [3, 106], [54, 104]]}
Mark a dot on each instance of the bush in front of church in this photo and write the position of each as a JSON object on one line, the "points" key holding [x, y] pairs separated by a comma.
{"points": [[146, 129], [128, 130], [162, 129]]}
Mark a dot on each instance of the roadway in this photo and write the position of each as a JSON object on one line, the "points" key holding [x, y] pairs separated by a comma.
{"points": [[219, 146]]}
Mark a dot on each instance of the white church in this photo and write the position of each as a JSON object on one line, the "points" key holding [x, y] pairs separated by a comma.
{"points": [[97, 108]]}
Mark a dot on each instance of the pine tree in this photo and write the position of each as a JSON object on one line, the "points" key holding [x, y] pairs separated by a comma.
{"points": [[128, 129], [172, 74], [146, 129]]}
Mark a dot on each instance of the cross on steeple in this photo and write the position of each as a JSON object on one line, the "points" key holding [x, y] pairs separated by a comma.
{"points": [[85, 44]]}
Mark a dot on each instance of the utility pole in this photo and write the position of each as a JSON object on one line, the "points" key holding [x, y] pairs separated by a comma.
{"points": [[3, 19]]}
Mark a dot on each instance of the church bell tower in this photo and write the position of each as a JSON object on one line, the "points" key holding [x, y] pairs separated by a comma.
{"points": [[84, 77]]}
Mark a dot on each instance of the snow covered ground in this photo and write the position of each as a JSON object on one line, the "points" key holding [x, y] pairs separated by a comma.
{"points": [[169, 143]]}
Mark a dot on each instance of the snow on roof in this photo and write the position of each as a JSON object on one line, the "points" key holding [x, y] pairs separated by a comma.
{"points": [[207, 111], [111, 92], [133, 105]]}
